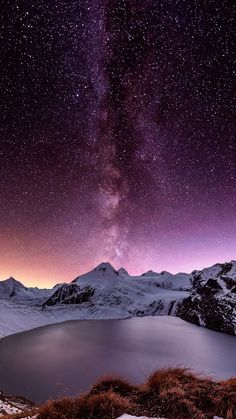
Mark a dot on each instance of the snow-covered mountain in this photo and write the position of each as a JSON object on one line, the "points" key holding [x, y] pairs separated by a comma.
{"points": [[212, 302], [104, 287], [13, 290], [206, 298]]}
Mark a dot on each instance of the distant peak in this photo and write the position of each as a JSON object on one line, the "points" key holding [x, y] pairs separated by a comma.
{"points": [[13, 280], [123, 271], [149, 273], [105, 266]]}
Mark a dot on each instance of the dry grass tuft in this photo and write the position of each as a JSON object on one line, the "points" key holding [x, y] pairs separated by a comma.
{"points": [[226, 398], [116, 384], [92, 406], [179, 393], [169, 377], [63, 408]]}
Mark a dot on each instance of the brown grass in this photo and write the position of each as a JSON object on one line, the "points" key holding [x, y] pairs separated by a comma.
{"points": [[226, 398], [116, 384], [179, 393], [107, 405], [171, 393]]}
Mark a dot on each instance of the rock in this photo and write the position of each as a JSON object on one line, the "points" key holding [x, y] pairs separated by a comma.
{"points": [[212, 302], [70, 294]]}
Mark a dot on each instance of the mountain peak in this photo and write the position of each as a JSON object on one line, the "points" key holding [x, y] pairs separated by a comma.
{"points": [[123, 271], [12, 281], [11, 287], [150, 273], [105, 266]]}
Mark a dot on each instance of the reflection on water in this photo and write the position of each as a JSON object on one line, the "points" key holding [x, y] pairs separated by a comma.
{"points": [[76, 353]]}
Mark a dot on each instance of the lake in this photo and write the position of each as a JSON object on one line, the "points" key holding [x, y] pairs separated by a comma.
{"points": [[66, 358]]}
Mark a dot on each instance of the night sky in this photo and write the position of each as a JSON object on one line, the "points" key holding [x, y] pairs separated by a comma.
{"points": [[116, 136]]}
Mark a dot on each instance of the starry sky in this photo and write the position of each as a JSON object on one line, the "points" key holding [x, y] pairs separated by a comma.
{"points": [[116, 136]]}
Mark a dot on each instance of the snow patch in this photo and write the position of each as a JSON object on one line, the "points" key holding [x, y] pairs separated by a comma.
{"points": [[136, 417]]}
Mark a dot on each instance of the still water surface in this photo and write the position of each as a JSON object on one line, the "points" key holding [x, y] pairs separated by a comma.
{"points": [[66, 358]]}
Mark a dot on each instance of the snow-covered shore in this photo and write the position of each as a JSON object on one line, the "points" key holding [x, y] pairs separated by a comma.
{"points": [[17, 318]]}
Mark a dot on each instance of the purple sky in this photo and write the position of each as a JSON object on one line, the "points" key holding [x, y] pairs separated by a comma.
{"points": [[117, 137]]}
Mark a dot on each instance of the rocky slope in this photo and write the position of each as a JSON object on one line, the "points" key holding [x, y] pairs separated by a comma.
{"points": [[70, 294], [212, 302]]}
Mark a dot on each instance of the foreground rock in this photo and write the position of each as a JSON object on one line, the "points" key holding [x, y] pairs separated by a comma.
{"points": [[212, 302], [11, 405]]}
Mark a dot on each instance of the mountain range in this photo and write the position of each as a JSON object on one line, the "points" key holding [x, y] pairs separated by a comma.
{"points": [[206, 298]]}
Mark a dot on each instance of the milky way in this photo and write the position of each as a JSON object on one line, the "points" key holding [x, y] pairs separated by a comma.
{"points": [[117, 136]]}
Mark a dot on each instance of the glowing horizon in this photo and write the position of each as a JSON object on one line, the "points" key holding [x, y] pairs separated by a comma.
{"points": [[47, 278]]}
